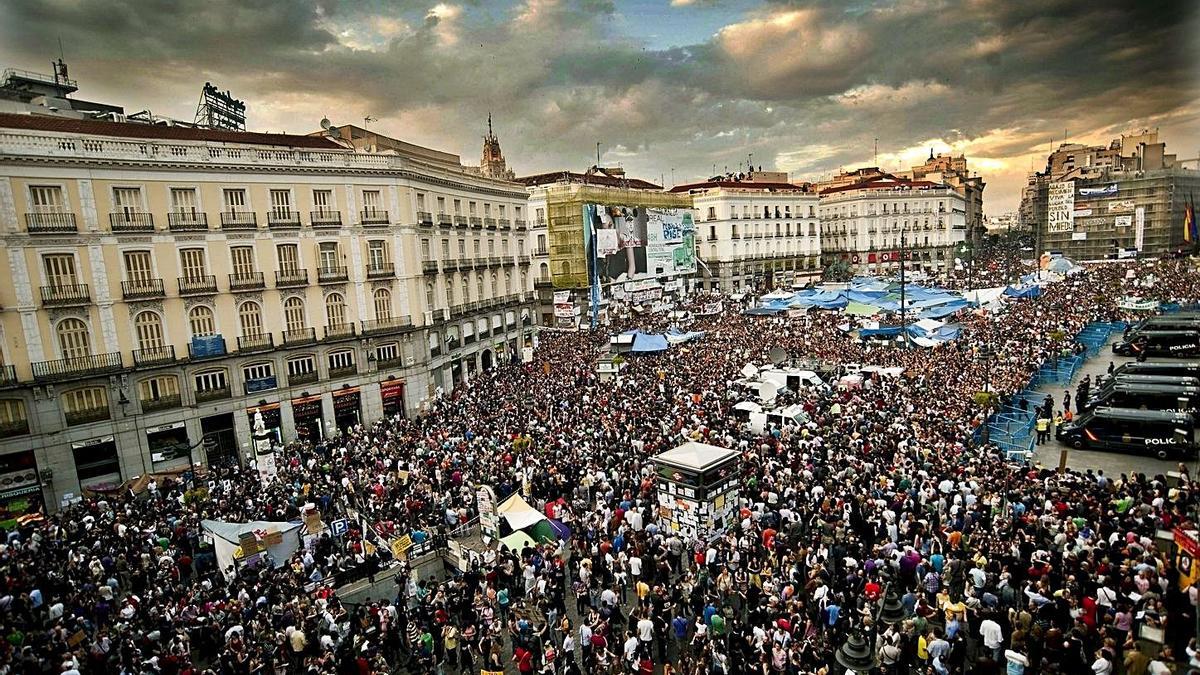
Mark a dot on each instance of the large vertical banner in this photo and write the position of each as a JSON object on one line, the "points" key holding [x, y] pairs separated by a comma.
{"points": [[635, 242], [1060, 207], [1139, 227]]}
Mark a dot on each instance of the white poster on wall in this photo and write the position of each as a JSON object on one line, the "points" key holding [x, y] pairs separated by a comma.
{"points": [[1139, 229], [1078, 236], [1123, 221], [1060, 207]]}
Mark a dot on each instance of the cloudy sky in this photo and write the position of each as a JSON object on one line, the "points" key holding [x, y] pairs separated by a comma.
{"points": [[683, 85]]}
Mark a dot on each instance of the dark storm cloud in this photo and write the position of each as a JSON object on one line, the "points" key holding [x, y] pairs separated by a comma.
{"points": [[806, 84]]}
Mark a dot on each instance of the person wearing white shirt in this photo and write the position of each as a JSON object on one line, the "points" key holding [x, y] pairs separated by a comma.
{"points": [[645, 630], [993, 636], [1102, 665]]}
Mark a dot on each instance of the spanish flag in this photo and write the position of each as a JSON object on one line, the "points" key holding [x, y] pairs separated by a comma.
{"points": [[1189, 222]]}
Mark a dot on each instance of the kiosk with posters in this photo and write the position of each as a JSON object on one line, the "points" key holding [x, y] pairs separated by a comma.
{"points": [[697, 489], [307, 413], [391, 392], [347, 408]]}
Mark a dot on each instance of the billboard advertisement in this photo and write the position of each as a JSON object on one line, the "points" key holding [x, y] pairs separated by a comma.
{"points": [[635, 242]]}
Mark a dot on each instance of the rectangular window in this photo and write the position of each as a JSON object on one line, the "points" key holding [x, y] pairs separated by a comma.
{"points": [[260, 371], [243, 260], [458, 207], [46, 199], [387, 352], [235, 200], [60, 269], [213, 380], [323, 201], [476, 248], [541, 214], [487, 209], [301, 366], [377, 253], [191, 261], [471, 208], [341, 360], [446, 249], [501, 210], [158, 388], [138, 266], [372, 201], [420, 201], [281, 203], [183, 200], [128, 201], [441, 201], [289, 258], [425, 252], [329, 255]]}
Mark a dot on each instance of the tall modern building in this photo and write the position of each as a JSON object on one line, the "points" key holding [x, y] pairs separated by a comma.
{"points": [[862, 223], [168, 283], [1101, 202], [755, 230]]}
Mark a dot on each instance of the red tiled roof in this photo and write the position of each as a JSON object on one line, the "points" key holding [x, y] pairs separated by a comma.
{"points": [[159, 131], [881, 182], [744, 185], [592, 179]]}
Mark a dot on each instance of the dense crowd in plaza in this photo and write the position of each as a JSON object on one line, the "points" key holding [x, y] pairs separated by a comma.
{"points": [[998, 566]]}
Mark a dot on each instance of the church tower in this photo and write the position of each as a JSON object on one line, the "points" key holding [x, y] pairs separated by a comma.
{"points": [[492, 163]]}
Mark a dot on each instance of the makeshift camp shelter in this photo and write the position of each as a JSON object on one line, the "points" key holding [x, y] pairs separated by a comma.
{"points": [[278, 539]]}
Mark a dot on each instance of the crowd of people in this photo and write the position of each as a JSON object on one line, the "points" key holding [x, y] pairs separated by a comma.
{"points": [[882, 494]]}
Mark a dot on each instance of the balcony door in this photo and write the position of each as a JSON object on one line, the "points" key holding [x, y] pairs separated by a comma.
{"points": [[60, 270], [128, 201], [193, 264], [183, 201], [243, 261], [289, 258], [46, 199], [149, 331], [138, 268], [281, 204]]}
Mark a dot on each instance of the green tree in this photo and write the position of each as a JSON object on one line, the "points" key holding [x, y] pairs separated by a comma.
{"points": [[838, 270]]}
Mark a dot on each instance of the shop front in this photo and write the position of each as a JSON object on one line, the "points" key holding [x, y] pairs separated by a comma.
{"points": [[392, 394], [308, 415], [220, 441], [20, 487], [96, 463], [347, 408], [169, 446]]}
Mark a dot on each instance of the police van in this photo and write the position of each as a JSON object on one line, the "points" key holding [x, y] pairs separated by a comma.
{"points": [[1177, 321], [1162, 434], [1178, 343], [1170, 367], [1147, 397]]}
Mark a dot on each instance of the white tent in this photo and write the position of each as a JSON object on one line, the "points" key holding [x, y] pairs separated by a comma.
{"points": [[226, 539], [518, 513], [985, 296]]}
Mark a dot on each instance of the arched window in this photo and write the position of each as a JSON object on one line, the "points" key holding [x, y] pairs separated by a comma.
{"points": [[465, 288], [148, 327], [430, 298], [508, 283], [293, 314], [73, 339], [479, 286], [449, 293], [524, 281], [494, 290], [335, 309], [383, 304], [202, 322], [250, 317]]}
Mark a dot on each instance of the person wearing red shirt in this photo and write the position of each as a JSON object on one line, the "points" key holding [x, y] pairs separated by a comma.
{"points": [[524, 660]]}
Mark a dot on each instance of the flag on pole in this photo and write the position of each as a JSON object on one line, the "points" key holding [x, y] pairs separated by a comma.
{"points": [[1189, 222]]}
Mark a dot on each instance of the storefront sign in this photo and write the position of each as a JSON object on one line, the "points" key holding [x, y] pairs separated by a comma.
{"points": [[1187, 559]]}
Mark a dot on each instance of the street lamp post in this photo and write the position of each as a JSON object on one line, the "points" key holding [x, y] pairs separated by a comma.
{"points": [[903, 304]]}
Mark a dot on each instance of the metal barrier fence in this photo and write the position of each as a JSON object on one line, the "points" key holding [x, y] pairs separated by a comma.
{"points": [[1012, 429]]}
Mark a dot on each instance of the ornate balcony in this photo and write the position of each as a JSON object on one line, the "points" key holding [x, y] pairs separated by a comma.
{"points": [[291, 278], [340, 331], [429, 267], [326, 219], [155, 356], [332, 275], [161, 403], [385, 326], [81, 366], [198, 285], [125, 223], [187, 221], [143, 289], [239, 220], [375, 217], [247, 281], [66, 295], [300, 336], [283, 220], [50, 223], [425, 218], [263, 342], [381, 271]]}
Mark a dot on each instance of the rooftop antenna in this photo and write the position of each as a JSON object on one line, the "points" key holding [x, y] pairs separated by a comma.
{"points": [[876, 162], [368, 119], [597, 153]]}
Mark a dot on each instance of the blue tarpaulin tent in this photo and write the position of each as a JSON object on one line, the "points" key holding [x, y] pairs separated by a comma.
{"points": [[1026, 292], [644, 343]]}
